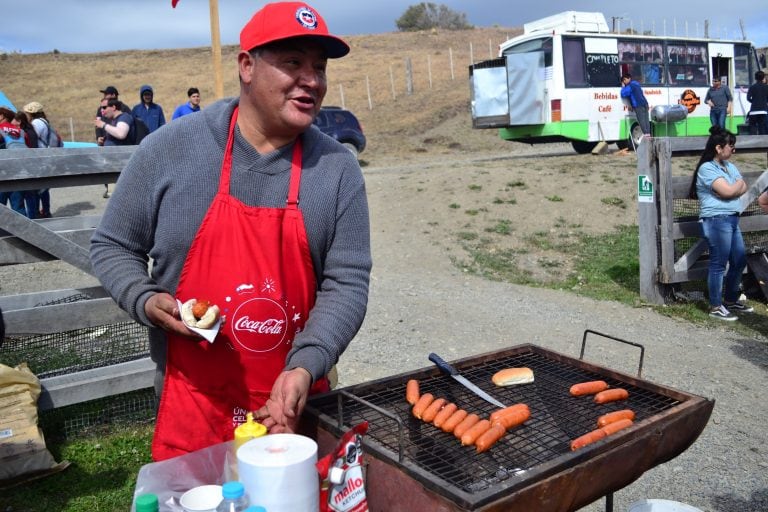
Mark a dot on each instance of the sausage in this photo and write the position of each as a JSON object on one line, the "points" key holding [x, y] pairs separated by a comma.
{"points": [[614, 427], [475, 431], [445, 413], [490, 436], [465, 425], [200, 308], [433, 409], [596, 435], [452, 422], [611, 395], [588, 388], [513, 418], [615, 416], [412, 392], [501, 412], [422, 404], [588, 438], [209, 313]]}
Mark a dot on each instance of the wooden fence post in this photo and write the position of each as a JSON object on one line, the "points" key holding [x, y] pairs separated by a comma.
{"points": [[429, 69], [392, 82], [648, 216], [408, 76], [450, 56], [368, 88]]}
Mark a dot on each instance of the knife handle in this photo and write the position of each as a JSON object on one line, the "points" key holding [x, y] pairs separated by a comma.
{"points": [[444, 367]]}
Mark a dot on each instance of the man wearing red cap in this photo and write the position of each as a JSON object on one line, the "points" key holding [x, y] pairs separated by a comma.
{"points": [[249, 206]]}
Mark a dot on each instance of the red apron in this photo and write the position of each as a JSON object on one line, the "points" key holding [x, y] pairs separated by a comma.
{"points": [[255, 264]]}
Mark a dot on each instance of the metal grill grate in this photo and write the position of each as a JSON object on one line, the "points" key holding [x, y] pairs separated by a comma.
{"points": [[556, 419]]}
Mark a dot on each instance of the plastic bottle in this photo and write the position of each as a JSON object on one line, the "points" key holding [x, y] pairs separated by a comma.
{"points": [[248, 430], [147, 503], [234, 498]]}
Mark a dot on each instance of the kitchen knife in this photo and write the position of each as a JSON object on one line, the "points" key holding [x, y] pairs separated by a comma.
{"points": [[450, 370]]}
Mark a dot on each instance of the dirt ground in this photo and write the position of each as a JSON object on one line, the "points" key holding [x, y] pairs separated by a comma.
{"points": [[510, 197]]}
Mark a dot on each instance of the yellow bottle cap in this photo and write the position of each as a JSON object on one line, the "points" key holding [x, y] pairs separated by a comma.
{"points": [[249, 430]]}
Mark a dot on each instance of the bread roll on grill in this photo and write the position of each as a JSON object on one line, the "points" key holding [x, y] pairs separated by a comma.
{"points": [[512, 376]]}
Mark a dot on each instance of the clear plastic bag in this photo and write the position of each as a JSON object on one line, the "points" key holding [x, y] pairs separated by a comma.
{"points": [[171, 478]]}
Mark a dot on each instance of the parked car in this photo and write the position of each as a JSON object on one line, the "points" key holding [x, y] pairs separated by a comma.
{"points": [[343, 126]]}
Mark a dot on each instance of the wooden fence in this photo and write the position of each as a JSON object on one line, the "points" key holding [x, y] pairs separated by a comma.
{"points": [[666, 216], [67, 239]]}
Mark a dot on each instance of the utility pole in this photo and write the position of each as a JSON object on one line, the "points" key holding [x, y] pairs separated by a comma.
{"points": [[614, 24], [743, 32], [216, 49]]}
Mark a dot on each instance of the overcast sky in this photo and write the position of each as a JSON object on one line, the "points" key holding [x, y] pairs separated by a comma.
{"points": [[85, 26]]}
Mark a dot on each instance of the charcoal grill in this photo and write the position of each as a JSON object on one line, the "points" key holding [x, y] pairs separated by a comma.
{"points": [[412, 465]]}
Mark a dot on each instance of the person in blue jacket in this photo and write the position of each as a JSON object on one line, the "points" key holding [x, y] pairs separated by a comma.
{"points": [[631, 89], [149, 111], [192, 106]]}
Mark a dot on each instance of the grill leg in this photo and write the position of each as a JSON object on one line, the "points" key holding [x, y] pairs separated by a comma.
{"points": [[609, 502]]}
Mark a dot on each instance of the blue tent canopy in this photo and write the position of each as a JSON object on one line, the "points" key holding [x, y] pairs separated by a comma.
{"points": [[5, 102]]}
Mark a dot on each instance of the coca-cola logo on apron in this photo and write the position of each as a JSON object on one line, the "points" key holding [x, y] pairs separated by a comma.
{"points": [[259, 325]]}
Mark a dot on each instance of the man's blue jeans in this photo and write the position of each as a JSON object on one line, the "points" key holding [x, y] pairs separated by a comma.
{"points": [[726, 246], [717, 116]]}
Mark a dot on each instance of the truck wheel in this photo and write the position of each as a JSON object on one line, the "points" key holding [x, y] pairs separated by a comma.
{"points": [[583, 147]]}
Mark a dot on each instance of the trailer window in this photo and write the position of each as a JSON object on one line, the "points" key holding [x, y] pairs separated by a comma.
{"points": [[687, 64], [603, 70], [573, 62], [741, 55], [642, 60], [534, 45]]}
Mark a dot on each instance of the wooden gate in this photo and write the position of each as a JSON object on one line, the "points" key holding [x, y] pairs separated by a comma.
{"points": [[67, 239]]}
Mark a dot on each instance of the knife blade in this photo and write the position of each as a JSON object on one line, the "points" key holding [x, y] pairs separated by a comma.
{"points": [[447, 369]]}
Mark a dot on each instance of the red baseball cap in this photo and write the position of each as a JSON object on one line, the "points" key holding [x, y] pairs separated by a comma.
{"points": [[285, 20]]}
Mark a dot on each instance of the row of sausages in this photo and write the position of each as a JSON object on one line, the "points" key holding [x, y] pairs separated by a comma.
{"points": [[483, 433], [469, 428], [609, 423]]}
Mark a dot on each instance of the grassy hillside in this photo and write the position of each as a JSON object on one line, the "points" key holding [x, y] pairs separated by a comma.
{"points": [[434, 118]]}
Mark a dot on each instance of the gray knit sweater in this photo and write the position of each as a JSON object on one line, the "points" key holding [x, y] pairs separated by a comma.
{"points": [[166, 188]]}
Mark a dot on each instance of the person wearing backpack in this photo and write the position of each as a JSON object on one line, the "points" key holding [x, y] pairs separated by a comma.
{"points": [[31, 197], [46, 138], [12, 137]]}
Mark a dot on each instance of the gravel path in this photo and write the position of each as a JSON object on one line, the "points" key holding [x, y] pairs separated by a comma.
{"points": [[421, 303]]}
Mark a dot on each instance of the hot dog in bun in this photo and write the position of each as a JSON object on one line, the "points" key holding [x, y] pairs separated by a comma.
{"points": [[199, 313]]}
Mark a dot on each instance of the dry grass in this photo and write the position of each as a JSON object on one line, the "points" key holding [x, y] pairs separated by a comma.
{"points": [[68, 85]]}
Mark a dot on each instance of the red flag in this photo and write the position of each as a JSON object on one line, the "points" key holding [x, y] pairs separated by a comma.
{"points": [[173, 3]]}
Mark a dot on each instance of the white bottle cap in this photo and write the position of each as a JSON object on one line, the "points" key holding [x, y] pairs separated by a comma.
{"points": [[336, 475]]}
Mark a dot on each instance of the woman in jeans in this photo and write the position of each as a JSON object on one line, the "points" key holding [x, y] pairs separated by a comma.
{"points": [[718, 185]]}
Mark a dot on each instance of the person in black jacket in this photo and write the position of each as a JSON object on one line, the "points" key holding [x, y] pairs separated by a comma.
{"points": [[758, 112]]}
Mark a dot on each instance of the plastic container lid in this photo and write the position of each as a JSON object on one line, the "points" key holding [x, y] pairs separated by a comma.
{"points": [[147, 503], [232, 490]]}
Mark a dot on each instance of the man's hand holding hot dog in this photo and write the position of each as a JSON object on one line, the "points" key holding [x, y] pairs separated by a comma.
{"points": [[163, 311], [286, 402]]}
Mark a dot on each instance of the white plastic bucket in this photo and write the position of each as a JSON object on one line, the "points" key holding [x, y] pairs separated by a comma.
{"points": [[661, 506]]}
